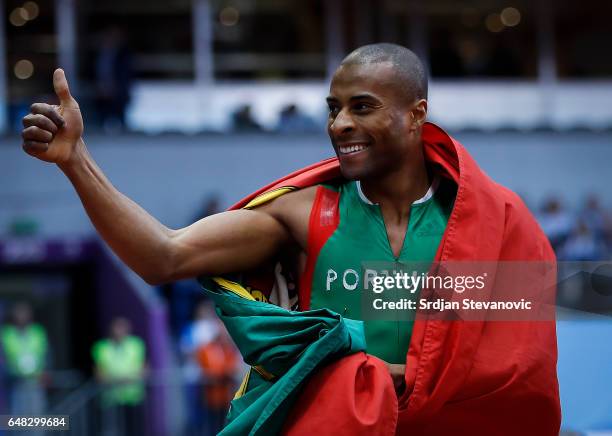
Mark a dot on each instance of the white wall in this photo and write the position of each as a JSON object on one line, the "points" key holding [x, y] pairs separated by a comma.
{"points": [[181, 106]]}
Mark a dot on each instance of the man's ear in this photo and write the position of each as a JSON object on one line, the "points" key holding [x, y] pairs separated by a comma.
{"points": [[418, 114]]}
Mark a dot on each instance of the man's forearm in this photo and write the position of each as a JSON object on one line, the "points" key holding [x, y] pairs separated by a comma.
{"points": [[135, 236]]}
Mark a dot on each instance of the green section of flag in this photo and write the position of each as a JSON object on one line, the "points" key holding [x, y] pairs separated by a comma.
{"points": [[289, 346]]}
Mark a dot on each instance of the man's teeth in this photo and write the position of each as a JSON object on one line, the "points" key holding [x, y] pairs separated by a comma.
{"points": [[352, 148]]}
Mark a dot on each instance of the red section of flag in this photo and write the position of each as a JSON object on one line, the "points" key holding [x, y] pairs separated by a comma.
{"points": [[365, 406]]}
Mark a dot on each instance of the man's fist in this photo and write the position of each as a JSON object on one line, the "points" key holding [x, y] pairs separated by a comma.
{"points": [[51, 132]]}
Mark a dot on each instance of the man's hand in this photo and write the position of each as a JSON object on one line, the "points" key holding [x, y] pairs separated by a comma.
{"points": [[397, 372], [51, 133]]}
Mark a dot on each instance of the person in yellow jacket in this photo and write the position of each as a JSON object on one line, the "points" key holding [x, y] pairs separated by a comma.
{"points": [[25, 349], [120, 367]]}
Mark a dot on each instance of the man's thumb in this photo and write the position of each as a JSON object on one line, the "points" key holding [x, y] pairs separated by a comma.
{"points": [[60, 84]]}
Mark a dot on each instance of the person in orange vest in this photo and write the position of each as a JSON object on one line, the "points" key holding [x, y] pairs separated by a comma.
{"points": [[220, 363], [198, 333]]}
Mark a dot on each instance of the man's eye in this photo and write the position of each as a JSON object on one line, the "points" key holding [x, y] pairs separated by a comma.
{"points": [[333, 110], [361, 107]]}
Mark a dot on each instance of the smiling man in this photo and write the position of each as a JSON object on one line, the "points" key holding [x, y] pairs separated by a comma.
{"points": [[377, 108], [401, 190]]}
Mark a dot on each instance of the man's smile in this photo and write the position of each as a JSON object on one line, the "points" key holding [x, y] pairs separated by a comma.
{"points": [[353, 147]]}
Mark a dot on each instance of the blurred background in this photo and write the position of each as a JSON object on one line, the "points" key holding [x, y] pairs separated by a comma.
{"points": [[191, 104]]}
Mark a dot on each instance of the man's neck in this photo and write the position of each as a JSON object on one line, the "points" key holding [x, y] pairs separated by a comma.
{"points": [[395, 191]]}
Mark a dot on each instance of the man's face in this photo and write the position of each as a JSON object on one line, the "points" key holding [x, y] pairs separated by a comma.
{"points": [[368, 121]]}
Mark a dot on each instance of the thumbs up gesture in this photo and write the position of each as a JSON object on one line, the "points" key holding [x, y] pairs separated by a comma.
{"points": [[51, 132]]}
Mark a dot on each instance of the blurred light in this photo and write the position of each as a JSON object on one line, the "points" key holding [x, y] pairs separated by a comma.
{"points": [[18, 17], [494, 23], [510, 17], [23, 69], [470, 50], [31, 9], [229, 16]]}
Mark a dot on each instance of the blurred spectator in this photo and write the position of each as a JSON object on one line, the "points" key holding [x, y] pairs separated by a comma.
{"points": [[221, 362], [597, 218], [120, 366], [556, 222], [204, 328], [294, 121], [113, 80], [25, 353], [243, 120], [583, 245]]}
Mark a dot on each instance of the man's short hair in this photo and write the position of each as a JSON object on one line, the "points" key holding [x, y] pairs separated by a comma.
{"points": [[408, 66]]}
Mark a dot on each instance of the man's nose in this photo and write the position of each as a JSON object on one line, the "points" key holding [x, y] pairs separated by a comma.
{"points": [[343, 123]]}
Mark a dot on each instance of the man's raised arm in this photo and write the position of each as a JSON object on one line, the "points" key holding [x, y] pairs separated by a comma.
{"points": [[230, 241]]}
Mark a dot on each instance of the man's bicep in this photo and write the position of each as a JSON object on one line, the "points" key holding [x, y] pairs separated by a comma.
{"points": [[225, 242]]}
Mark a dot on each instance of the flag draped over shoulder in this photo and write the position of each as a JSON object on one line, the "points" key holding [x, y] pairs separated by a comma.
{"points": [[462, 377]]}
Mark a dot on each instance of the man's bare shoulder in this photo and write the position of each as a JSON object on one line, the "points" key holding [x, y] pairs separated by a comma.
{"points": [[299, 198], [293, 211]]}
